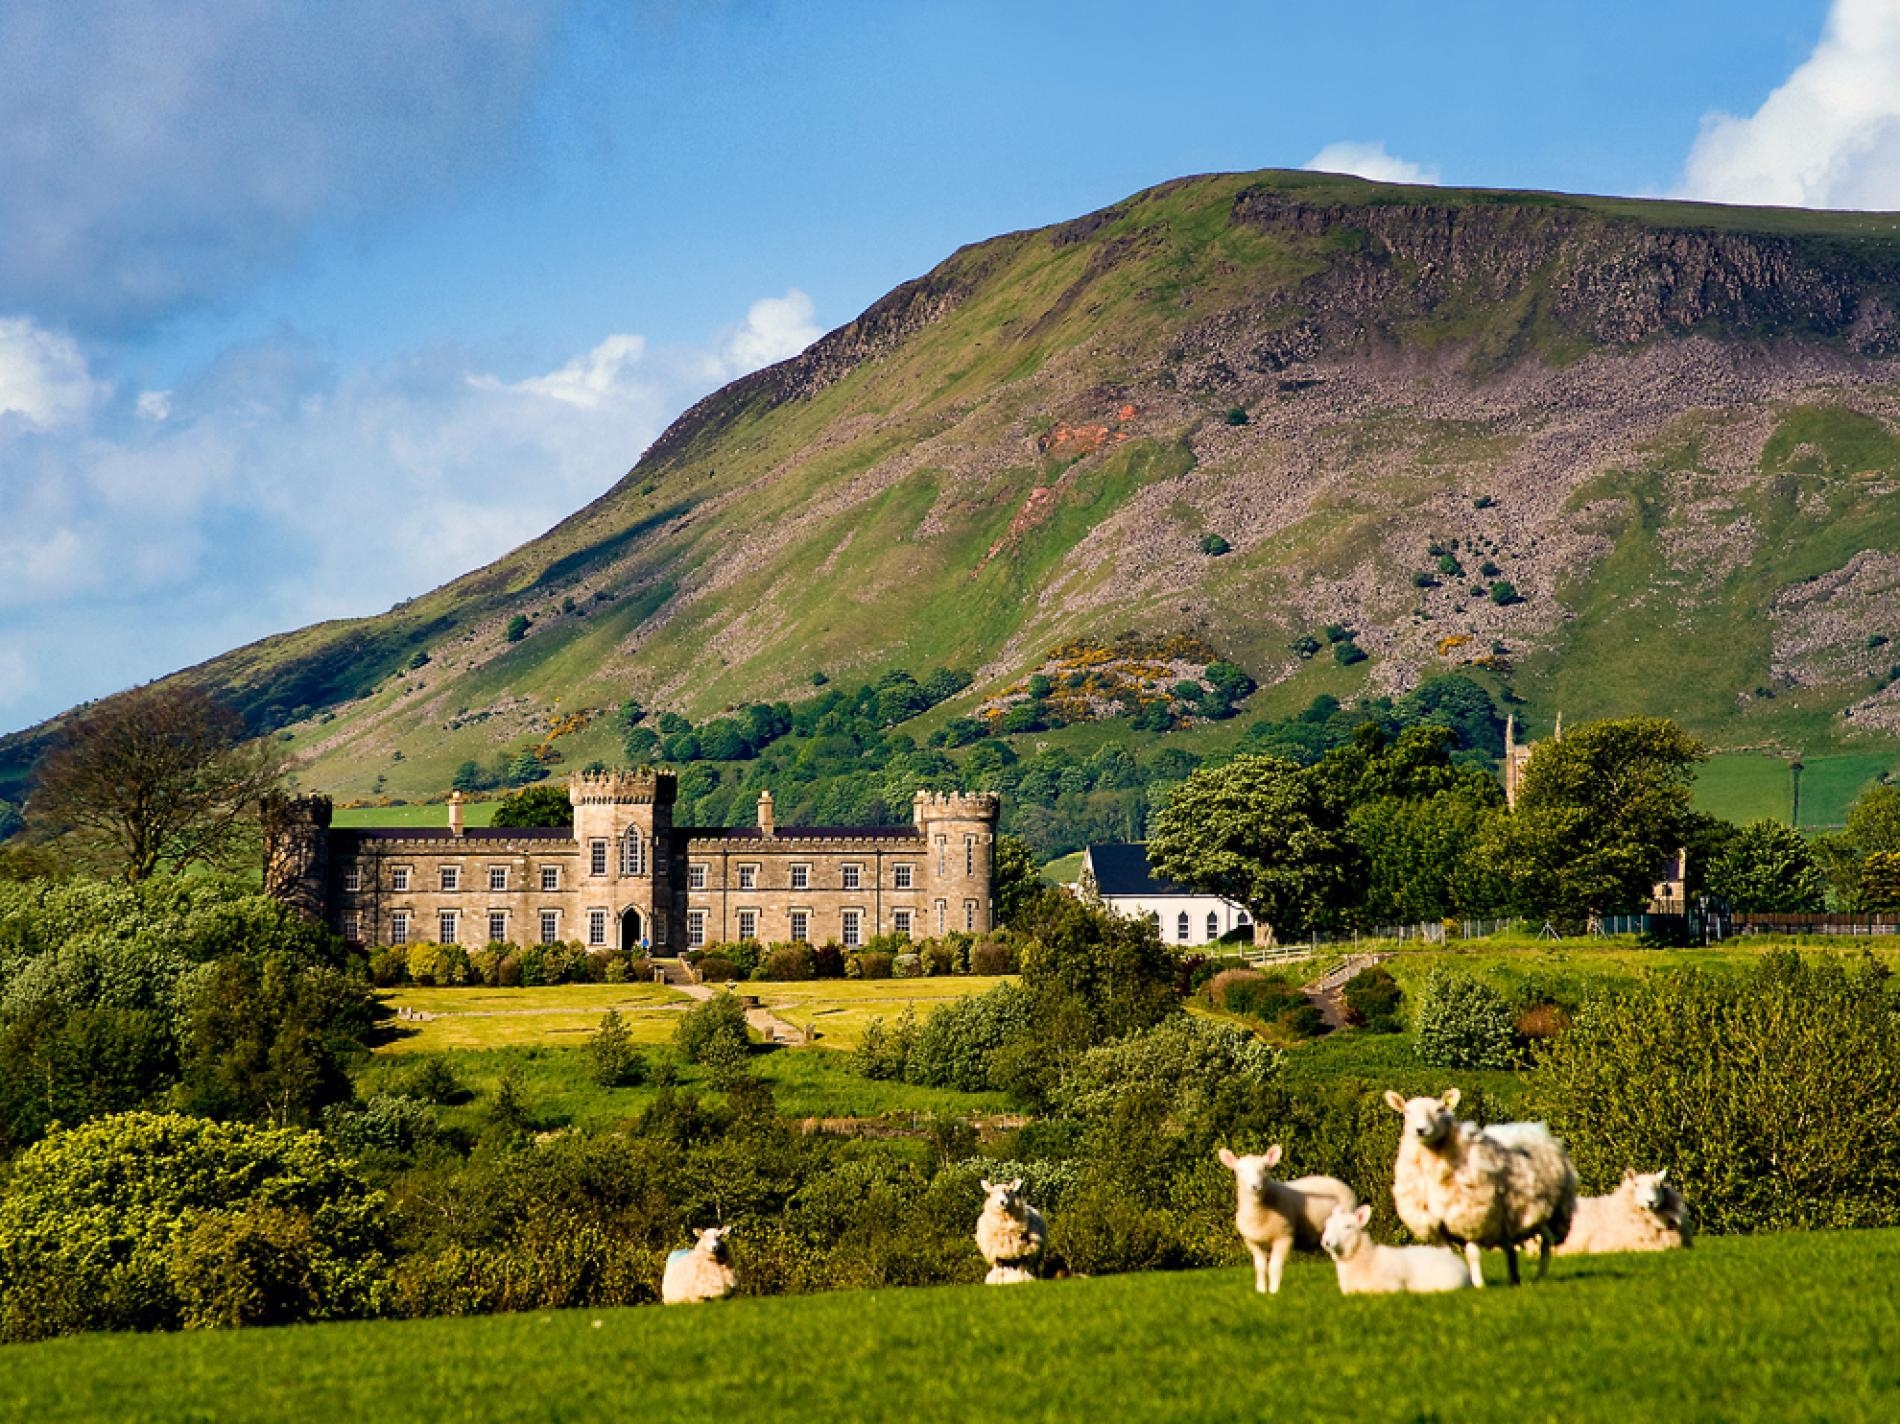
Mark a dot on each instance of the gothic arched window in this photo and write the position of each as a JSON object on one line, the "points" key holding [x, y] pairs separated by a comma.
{"points": [[633, 853]]}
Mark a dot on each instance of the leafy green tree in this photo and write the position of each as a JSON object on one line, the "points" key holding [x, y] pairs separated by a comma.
{"points": [[1113, 971], [1017, 878], [517, 628], [469, 776], [535, 806], [1462, 1022], [1767, 867], [613, 1060], [712, 1028], [1873, 827], [1880, 881], [1259, 831], [10, 820]]}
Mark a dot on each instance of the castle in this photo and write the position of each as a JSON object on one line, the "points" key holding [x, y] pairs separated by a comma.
{"points": [[625, 877]]}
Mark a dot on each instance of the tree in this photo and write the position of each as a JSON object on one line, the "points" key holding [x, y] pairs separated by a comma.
{"points": [[9, 819], [1880, 882], [517, 628], [1767, 868], [160, 778], [469, 777], [614, 1061], [535, 806], [1260, 831], [1017, 879], [1873, 827]]}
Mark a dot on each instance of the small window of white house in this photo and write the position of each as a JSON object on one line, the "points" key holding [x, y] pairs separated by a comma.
{"points": [[801, 877], [853, 928], [497, 877], [849, 876], [1181, 930], [352, 880], [900, 922], [748, 877], [550, 927], [399, 878], [1213, 925], [597, 927], [695, 929], [451, 880], [748, 924], [695, 877], [399, 927], [801, 926], [550, 877], [445, 932], [901, 876], [1241, 918], [597, 857]]}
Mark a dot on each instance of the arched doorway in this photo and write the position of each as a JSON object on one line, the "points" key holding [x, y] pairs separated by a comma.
{"points": [[630, 936]]}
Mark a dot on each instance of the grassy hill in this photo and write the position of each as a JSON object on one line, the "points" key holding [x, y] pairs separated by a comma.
{"points": [[1796, 1327], [1616, 456]]}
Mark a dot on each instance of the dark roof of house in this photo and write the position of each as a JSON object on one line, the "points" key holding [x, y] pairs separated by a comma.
{"points": [[1121, 868], [441, 833]]}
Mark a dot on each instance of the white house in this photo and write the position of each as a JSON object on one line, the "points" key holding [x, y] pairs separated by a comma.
{"points": [[1119, 874]]}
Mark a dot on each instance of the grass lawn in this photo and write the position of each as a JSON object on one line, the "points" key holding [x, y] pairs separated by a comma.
{"points": [[840, 1008], [474, 813], [502, 1018], [1745, 786], [1831, 784], [1773, 1328]]}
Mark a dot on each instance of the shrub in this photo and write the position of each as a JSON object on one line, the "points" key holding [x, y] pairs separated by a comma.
{"points": [[517, 628], [993, 957], [716, 969], [883, 1053], [1348, 653], [257, 1266], [430, 1079], [508, 971], [1463, 1023], [712, 1028], [389, 967], [1214, 546], [613, 1061], [827, 962], [787, 962], [1236, 415], [1504, 593], [954, 1047], [907, 966], [1538, 1022], [1374, 1000], [871, 965], [938, 957]]}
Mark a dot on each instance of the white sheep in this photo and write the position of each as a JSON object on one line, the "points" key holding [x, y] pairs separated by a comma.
{"points": [[1010, 1233], [1367, 1268], [1455, 1183], [700, 1272], [1644, 1213], [1274, 1217]]}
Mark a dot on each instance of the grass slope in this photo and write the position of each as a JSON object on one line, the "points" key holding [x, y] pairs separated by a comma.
{"points": [[1781, 1328]]}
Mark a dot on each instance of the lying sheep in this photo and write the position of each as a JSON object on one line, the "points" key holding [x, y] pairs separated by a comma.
{"points": [[1367, 1268], [1274, 1217], [1455, 1183], [701, 1272], [1010, 1233], [1644, 1213]]}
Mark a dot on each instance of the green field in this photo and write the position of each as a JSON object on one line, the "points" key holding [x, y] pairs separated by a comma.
{"points": [[1781, 1328], [474, 813], [515, 1018]]}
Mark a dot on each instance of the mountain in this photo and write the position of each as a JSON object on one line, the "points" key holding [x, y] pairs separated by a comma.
{"points": [[1613, 455]]}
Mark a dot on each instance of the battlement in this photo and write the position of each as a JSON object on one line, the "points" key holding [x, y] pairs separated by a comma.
{"points": [[643, 787], [955, 806], [285, 814]]}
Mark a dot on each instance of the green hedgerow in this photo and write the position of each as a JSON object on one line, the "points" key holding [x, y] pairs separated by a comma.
{"points": [[1463, 1023]]}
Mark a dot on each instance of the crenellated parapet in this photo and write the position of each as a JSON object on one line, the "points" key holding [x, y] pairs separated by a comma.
{"points": [[929, 806], [644, 786], [297, 852]]}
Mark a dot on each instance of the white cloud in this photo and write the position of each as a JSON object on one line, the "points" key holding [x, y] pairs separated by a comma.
{"points": [[155, 405], [588, 382], [1369, 160], [774, 328], [1829, 137], [44, 380]]}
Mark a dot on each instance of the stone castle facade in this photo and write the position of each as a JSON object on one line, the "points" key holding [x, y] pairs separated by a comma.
{"points": [[625, 877]]}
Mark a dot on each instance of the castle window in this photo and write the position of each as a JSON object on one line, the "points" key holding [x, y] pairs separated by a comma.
{"points": [[851, 875], [633, 853], [801, 877], [695, 929], [451, 880], [1213, 925], [497, 877], [902, 875], [399, 927], [801, 926], [1181, 927], [695, 877], [353, 926], [399, 878], [748, 877], [853, 928], [748, 924], [550, 927], [943, 856], [497, 926], [969, 855], [900, 922], [597, 857], [550, 877], [659, 929], [445, 927], [969, 914], [597, 926], [352, 880], [941, 907]]}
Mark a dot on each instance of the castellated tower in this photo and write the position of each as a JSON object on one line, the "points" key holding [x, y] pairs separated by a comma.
{"points": [[623, 823], [297, 852], [959, 833]]}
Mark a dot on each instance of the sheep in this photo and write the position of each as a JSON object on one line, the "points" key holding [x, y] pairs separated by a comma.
{"points": [[1644, 1213], [1274, 1217], [1367, 1268], [1456, 1183], [1010, 1233], [701, 1272]]}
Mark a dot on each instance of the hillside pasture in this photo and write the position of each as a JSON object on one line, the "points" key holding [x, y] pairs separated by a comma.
{"points": [[1774, 1328], [550, 1016]]}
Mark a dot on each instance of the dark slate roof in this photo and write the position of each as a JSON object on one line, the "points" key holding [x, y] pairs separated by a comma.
{"points": [[1121, 868], [441, 833], [802, 833]]}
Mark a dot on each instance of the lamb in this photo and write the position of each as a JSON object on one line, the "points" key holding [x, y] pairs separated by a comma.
{"points": [[1644, 1213], [702, 1272], [1367, 1268], [1011, 1235], [1274, 1217], [1475, 1188]]}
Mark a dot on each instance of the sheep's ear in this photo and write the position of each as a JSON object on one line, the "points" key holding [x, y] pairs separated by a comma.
{"points": [[1273, 1155], [1228, 1160], [985, 1184], [1662, 1176], [1364, 1214], [1017, 1185], [1629, 1174], [1394, 1101], [1452, 1095]]}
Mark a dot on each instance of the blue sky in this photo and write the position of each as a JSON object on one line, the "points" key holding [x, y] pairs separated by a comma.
{"points": [[307, 308]]}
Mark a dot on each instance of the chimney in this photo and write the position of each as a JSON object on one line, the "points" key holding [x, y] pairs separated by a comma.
{"points": [[766, 828], [455, 813]]}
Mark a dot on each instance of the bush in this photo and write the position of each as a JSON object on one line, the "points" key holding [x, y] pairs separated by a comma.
{"points": [[907, 966], [390, 966], [787, 962], [827, 962], [993, 957], [716, 969], [613, 1061], [1374, 1001], [883, 1053], [1214, 546], [1348, 653], [712, 1029], [252, 1267], [955, 1046], [870, 965], [1463, 1023], [430, 1079]]}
